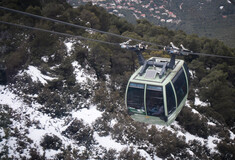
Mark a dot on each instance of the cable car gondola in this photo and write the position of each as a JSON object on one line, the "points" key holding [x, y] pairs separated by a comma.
{"points": [[158, 90]]}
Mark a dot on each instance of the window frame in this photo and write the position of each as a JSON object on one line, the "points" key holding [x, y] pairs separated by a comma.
{"points": [[136, 86], [179, 73], [174, 97], [151, 87]]}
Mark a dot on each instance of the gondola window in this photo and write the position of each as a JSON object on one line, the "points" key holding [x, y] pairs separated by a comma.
{"points": [[180, 85], [135, 96], [154, 101], [171, 104]]}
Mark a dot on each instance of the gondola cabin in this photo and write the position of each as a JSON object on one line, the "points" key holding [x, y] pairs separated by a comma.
{"points": [[156, 95]]}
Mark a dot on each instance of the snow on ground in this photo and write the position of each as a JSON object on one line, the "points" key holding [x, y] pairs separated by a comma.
{"points": [[113, 122], [42, 124], [197, 101], [2, 133], [79, 72], [36, 75], [45, 59], [82, 75], [69, 46], [211, 123], [87, 115], [212, 143], [232, 135], [108, 142], [9, 98]]}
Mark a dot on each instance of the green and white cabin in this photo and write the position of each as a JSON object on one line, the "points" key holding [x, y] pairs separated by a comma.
{"points": [[157, 95]]}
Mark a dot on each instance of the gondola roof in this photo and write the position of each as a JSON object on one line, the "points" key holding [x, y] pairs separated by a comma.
{"points": [[151, 75]]}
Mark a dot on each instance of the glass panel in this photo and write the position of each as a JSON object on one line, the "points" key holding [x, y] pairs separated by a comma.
{"points": [[135, 96], [180, 85], [154, 101], [171, 105], [187, 71]]}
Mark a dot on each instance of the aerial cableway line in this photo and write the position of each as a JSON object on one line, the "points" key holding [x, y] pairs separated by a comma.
{"points": [[180, 52], [158, 90], [79, 26]]}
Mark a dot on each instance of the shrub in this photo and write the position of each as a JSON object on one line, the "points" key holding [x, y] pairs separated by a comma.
{"points": [[79, 132], [227, 150], [201, 151], [51, 142], [193, 123], [5, 116], [35, 155], [54, 103], [110, 154], [130, 154], [167, 143]]}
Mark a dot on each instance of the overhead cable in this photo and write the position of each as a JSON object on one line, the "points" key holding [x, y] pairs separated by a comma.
{"points": [[66, 34], [58, 33], [210, 55], [91, 29], [78, 26]]}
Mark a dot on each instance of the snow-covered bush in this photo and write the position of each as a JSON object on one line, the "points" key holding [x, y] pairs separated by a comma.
{"points": [[130, 154], [193, 123], [80, 132], [51, 142], [54, 103]]}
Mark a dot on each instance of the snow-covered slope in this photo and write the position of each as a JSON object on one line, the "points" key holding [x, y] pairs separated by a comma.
{"points": [[29, 131]]}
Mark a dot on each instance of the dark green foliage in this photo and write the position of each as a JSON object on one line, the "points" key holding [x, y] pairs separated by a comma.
{"points": [[175, 145], [110, 154], [5, 122], [227, 150], [102, 125], [53, 10], [3, 76], [81, 133], [71, 154], [201, 151], [66, 70], [193, 123], [217, 90], [5, 116], [130, 155], [19, 4], [4, 153], [110, 102], [15, 61], [199, 69], [126, 128], [51, 142], [99, 59], [35, 155], [210, 112], [55, 104], [81, 55]]}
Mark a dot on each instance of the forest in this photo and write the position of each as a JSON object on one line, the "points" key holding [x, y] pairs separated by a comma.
{"points": [[212, 80]]}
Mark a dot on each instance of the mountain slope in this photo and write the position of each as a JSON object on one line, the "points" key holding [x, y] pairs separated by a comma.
{"points": [[64, 98], [32, 132], [214, 19]]}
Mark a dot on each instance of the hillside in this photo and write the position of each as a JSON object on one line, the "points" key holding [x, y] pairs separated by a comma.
{"points": [[213, 19], [63, 97]]}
